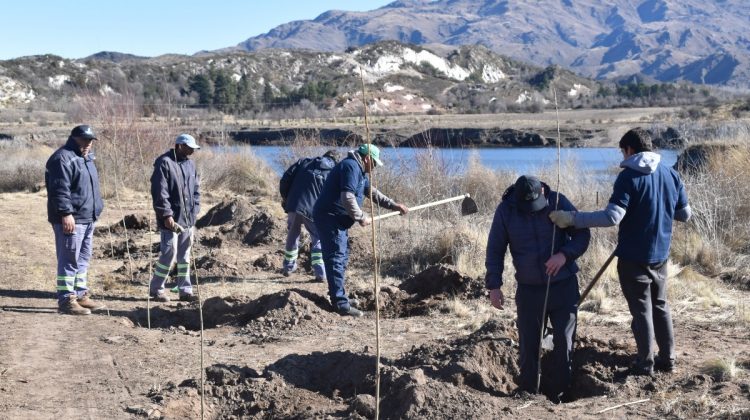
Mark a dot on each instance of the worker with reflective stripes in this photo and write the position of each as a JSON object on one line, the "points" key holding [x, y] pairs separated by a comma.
{"points": [[338, 207], [299, 187], [176, 197], [74, 203]]}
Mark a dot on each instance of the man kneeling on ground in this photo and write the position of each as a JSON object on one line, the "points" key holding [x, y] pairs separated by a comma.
{"points": [[521, 222]]}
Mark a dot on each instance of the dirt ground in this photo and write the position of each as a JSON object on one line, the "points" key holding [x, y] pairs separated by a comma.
{"points": [[273, 349]]}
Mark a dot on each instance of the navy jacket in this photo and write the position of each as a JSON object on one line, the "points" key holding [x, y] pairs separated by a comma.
{"points": [[349, 176], [529, 236], [175, 190], [303, 182], [72, 186]]}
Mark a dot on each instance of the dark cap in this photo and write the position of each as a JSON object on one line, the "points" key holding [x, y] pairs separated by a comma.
{"points": [[83, 132], [530, 194]]}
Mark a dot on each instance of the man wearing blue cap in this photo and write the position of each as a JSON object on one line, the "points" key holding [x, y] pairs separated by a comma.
{"points": [[74, 203], [176, 198], [338, 207]]}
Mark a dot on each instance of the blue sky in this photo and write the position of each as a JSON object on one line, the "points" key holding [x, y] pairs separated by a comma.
{"points": [[75, 29]]}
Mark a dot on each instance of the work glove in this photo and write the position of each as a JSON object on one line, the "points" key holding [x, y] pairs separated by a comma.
{"points": [[563, 219]]}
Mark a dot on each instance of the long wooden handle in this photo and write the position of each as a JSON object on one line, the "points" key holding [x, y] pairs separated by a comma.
{"points": [[596, 278], [422, 206]]}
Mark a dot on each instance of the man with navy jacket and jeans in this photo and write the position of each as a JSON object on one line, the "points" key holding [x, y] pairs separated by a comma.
{"points": [[646, 198], [521, 223], [74, 204]]}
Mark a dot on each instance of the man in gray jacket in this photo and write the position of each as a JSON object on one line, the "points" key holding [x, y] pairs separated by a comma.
{"points": [[521, 223], [175, 190]]}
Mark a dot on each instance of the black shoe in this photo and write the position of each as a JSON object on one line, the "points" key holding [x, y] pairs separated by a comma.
{"points": [[640, 368], [351, 311], [663, 365], [319, 279], [188, 297]]}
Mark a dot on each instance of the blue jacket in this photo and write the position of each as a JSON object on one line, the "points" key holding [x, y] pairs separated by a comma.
{"points": [[529, 236], [302, 183], [72, 186], [646, 198], [349, 176], [175, 190]]}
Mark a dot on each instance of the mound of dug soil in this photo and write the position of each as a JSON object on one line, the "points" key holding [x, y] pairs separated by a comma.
{"points": [[228, 211], [486, 360], [121, 249], [131, 222], [423, 292], [266, 318]]}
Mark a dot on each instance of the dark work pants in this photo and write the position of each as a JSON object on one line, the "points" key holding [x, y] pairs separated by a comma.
{"points": [[334, 244], [645, 289], [563, 314]]}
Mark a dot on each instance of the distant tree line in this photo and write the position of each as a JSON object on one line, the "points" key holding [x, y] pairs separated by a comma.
{"points": [[217, 89]]}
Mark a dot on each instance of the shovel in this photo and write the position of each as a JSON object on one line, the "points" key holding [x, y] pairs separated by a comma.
{"points": [[468, 206]]}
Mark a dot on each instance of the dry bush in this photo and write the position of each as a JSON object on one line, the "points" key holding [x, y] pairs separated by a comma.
{"points": [[22, 168], [718, 235], [127, 145], [240, 172], [687, 287]]}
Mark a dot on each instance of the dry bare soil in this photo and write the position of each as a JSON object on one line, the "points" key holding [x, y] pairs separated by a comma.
{"points": [[273, 349]]}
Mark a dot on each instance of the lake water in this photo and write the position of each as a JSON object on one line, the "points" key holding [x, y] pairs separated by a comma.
{"points": [[519, 160]]}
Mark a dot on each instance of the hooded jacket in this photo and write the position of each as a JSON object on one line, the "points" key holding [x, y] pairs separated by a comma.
{"points": [[529, 236], [72, 184], [175, 190], [302, 183], [646, 198]]}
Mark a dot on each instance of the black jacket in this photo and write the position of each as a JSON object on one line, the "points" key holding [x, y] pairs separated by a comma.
{"points": [[175, 190], [72, 186], [301, 184], [529, 237]]}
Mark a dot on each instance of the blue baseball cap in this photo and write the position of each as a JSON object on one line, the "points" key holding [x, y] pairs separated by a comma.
{"points": [[188, 140], [373, 151]]}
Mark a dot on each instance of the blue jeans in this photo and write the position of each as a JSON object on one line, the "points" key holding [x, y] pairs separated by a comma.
{"points": [[73, 256], [333, 241], [294, 224]]}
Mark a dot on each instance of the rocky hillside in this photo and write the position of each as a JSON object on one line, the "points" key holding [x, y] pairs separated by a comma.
{"points": [[401, 78], [702, 41]]}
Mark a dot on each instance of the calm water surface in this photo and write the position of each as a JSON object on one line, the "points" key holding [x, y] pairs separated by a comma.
{"points": [[519, 160]]}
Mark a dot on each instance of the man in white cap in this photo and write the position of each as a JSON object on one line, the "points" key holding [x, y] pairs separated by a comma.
{"points": [[176, 197]]}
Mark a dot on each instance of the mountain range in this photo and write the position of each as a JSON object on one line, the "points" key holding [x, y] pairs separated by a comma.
{"points": [[701, 41]]}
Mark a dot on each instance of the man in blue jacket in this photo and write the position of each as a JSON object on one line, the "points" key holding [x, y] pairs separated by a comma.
{"points": [[645, 199], [521, 222], [74, 204], [175, 191], [339, 206], [300, 187]]}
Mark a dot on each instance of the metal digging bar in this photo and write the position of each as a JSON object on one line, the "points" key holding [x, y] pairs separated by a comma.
{"points": [[468, 206]]}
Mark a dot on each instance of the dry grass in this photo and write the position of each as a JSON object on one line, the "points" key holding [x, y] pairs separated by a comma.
{"points": [[22, 168], [240, 172], [722, 369]]}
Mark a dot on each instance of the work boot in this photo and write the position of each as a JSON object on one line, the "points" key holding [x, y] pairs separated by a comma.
{"points": [[351, 311], [89, 303], [70, 306], [319, 279], [663, 364], [160, 297]]}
